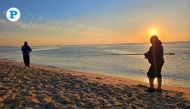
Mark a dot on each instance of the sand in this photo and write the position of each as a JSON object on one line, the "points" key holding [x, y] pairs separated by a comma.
{"points": [[41, 87]]}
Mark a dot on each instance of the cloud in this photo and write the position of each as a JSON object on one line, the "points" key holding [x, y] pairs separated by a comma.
{"points": [[63, 31], [58, 26], [33, 17], [3, 15]]}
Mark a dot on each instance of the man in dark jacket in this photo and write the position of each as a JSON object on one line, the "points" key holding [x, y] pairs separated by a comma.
{"points": [[155, 58], [26, 53]]}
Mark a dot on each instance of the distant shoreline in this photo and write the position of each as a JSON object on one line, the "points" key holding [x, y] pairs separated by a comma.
{"points": [[94, 44]]}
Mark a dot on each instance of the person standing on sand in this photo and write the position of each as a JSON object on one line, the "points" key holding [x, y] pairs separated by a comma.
{"points": [[26, 53], [155, 58]]}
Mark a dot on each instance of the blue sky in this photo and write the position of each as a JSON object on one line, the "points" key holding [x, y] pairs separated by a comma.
{"points": [[95, 21], [67, 9]]}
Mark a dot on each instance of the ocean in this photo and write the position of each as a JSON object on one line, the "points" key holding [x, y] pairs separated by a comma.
{"points": [[93, 59]]}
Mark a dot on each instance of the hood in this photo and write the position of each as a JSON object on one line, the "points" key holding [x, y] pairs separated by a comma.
{"points": [[158, 42], [25, 43]]}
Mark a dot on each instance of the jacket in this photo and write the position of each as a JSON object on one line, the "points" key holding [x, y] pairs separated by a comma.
{"points": [[155, 53], [26, 49]]}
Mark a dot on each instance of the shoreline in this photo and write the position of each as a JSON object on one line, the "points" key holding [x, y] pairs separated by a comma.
{"points": [[111, 79], [57, 87]]}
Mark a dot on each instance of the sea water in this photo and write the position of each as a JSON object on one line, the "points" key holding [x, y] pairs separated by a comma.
{"points": [[98, 59]]}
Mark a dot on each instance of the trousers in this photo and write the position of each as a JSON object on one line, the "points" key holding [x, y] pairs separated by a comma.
{"points": [[26, 59]]}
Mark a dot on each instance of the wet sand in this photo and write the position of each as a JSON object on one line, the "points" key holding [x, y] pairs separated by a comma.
{"points": [[54, 88]]}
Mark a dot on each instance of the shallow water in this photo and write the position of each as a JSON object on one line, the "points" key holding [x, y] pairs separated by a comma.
{"points": [[92, 59]]}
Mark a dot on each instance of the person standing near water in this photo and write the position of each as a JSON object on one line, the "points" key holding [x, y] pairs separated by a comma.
{"points": [[155, 58], [26, 53]]}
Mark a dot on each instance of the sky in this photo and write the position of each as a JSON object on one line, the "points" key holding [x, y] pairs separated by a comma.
{"points": [[73, 22]]}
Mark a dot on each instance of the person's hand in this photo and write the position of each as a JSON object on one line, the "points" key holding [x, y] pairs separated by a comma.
{"points": [[145, 56]]}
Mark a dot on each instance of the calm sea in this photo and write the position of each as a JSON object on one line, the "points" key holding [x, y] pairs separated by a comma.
{"points": [[92, 59]]}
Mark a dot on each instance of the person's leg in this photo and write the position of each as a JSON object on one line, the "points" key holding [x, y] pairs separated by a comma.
{"points": [[159, 76], [24, 58], [151, 89], [151, 76], [27, 60], [159, 83], [151, 81]]}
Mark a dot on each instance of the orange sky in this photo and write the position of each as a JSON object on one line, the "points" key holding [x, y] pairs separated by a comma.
{"points": [[117, 22]]}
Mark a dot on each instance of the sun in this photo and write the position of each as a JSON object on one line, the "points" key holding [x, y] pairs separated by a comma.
{"points": [[154, 32], [151, 31]]}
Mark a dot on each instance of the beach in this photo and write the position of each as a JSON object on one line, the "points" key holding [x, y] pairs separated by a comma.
{"points": [[42, 87]]}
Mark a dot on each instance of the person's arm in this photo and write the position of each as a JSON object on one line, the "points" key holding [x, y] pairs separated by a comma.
{"points": [[30, 49], [162, 51], [147, 55]]}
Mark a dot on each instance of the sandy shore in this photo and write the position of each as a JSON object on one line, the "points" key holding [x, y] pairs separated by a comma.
{"points": [[54, 88]]}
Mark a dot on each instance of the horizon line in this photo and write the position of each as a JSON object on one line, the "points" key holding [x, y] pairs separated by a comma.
{"points": [[91, 44]]}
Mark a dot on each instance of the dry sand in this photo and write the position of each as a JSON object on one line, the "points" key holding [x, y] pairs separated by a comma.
{"points": [[54, 88]]}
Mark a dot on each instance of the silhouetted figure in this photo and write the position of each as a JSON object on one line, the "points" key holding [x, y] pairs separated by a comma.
{"points": [[26, 53], [155, 58]]}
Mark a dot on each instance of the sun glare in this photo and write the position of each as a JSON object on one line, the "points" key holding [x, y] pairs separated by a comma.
{"points": [[154, 32]]}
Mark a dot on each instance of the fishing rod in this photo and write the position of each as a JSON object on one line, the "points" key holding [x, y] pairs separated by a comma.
{"points": [[140, 54], [129, 54]]}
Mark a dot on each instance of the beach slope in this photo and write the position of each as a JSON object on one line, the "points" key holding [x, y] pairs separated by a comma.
{"points": [[53, 88]]}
